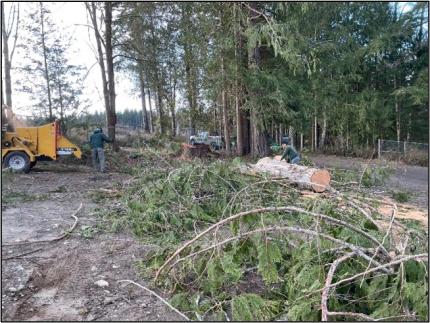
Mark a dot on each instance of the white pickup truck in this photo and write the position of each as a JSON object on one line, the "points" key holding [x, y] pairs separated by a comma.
{"points": [[215, 142]]}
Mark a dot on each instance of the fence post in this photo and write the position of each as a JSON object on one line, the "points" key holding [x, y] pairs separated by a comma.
{"points": [[379, 148]]}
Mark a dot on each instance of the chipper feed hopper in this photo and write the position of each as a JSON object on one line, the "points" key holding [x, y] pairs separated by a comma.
{"points": [[21, 148]]}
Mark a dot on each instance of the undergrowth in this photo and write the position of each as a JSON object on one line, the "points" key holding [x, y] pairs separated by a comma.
{"points": [[231, 273]]}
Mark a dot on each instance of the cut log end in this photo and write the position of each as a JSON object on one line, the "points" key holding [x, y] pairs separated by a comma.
{"points": [[320, 180]]}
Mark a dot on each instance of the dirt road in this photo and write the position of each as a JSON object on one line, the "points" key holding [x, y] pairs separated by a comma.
{"points": [[75, 278], [407, 178]]}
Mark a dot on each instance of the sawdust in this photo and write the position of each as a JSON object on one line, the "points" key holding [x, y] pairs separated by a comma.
{"points": [[404, 211]]}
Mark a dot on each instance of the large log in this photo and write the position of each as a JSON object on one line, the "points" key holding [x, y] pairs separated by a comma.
{"points": [[307, 177]]}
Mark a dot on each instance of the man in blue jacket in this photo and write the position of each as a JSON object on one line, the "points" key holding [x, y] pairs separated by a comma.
{"points": [[97, 141], [290, 154]]}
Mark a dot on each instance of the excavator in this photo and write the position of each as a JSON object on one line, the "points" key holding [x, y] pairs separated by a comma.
{"points": [[22, 147]]}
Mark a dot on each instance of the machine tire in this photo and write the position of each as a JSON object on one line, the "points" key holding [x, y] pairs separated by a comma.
{"points": [[19, 159], [192, 142]]}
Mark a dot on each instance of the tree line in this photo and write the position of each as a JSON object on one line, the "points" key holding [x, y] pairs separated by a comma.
{"points": [[337, 74]]}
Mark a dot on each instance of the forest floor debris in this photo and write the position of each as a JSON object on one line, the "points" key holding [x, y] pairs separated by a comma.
{"points": [[56, 282], [260, 265]]}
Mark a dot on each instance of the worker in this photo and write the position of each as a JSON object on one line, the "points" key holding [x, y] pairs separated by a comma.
{"points": [[290, 154], [97, 141]]}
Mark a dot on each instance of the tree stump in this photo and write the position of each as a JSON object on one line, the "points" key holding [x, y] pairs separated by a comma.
{"points": [[192, 151], [306, 177]]}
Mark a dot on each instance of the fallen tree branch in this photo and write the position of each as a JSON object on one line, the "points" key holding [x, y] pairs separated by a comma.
{"points": [[324, 296], [362, 316], [393, 215], [389, 264], [156, 295], [357, 250], [65, 234], [258, 211]]}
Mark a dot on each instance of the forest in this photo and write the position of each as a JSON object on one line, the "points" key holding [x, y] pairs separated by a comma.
{"points": [[337, 75], [112, 212]]}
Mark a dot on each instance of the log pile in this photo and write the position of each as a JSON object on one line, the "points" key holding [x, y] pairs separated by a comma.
{"points": [[192, 151], [306, 177]]}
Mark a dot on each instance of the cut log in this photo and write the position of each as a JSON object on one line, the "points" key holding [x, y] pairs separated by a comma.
{"points": [[191, 151], [307, 177]]}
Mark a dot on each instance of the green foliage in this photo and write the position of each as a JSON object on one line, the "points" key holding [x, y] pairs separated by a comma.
{"points": [[401, 196], [231, 268], [269, 255], [12, 197], [180, 201], [415, 296], [87, 231], [251, 307], [373, 176]]}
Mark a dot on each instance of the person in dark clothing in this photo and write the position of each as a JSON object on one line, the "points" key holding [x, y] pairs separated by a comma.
{"points": [[97, 141], [290, 154]]}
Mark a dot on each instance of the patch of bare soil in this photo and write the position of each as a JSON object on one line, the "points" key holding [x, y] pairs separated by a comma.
{"points": [[75, 278]]}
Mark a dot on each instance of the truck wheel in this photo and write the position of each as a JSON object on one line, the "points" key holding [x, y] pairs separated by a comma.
{"points": [[192, 142], [18, 161]]}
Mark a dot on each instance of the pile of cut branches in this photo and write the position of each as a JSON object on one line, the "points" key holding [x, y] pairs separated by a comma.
{"points": [[239, 247]]}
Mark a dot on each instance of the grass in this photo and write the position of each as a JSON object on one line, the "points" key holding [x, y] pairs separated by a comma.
{"points": [[400, 196], [12, 197]]}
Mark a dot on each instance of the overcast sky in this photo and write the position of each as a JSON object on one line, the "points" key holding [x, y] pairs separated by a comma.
{"points": [[71, 18]]}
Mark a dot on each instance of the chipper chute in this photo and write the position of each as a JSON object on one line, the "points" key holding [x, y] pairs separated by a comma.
{"points": [[22, 147]]}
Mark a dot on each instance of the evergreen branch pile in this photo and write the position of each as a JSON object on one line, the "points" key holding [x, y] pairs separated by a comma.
{"points": [[239, 247]]}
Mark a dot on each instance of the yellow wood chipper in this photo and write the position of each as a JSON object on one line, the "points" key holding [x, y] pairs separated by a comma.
{"points": [[22, 147]]}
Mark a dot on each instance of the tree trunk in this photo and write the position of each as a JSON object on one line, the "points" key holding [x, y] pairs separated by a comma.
{"points": [[301, 141], [324, 131], [225, 108], [291, 135], [45, 61], [93, 15], [60, 94], [150, 111], [280, 133], [239, 113], [159, 105], [259, 135], [396, 104], [111, 114], [189, 69], [7, 57], [173, 108], [316, 132], [143, 100], [312, 135], [7, 62], [307, 177], [408, 135]]}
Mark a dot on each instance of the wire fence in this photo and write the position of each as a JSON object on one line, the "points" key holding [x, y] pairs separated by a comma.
{"points": [[411, 152]]}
